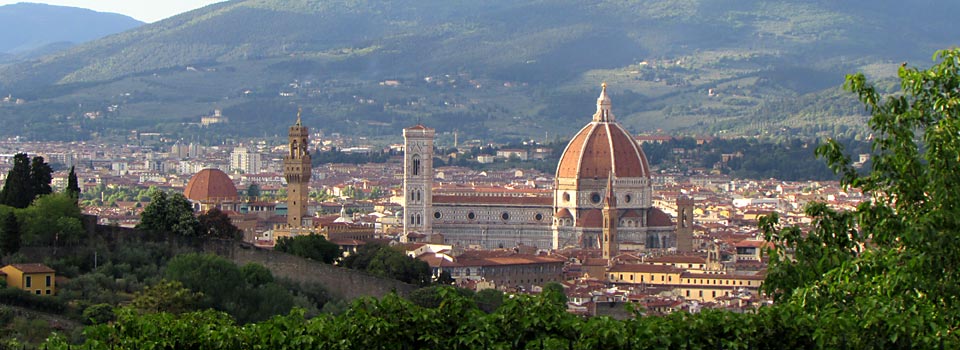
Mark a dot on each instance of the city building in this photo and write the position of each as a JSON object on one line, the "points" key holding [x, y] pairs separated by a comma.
{"points": [[602, 158], [245, 161], [34, 278], [211, 188], [297, 168]]}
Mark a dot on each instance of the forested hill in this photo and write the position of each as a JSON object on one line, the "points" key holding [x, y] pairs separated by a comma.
{"points": [[31, 29], [662, 56]]}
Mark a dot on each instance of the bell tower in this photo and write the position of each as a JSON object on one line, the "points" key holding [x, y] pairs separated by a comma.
{"points": [[297, 171], [611, 219], [417, 180], [684, 224]]}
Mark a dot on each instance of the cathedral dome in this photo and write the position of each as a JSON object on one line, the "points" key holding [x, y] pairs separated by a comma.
{"points": [[211, 185], [603, 146]]}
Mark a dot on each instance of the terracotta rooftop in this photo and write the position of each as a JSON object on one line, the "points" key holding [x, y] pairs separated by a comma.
{"points": [[645, 268], [657, 218], [600, 147], [678, 259], [591, 218], [211, 184], [539, 201], [33, 268]]}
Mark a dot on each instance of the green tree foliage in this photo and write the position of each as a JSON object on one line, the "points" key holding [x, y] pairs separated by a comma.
{"points": [[216, 224], [521, 322], [18, 189], [169, 214], [9, 234], [554, 292], [52, 220], [432, 296], [166, 296], [41, 174], [253, 191], [314, 247], [256, 275], [886, 275], [489, 300], [384, 261], [226, 287], [26, 181], [73, 185], [98, 314]]}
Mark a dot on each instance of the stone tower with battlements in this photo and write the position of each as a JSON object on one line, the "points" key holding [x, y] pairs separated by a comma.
{"points": [[297, 171]]}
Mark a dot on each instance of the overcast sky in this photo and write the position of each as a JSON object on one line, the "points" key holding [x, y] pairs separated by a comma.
{"points": [[144, 10]]}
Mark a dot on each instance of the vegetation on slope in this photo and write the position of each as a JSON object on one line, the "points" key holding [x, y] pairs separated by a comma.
{"points": [[520, 68]]}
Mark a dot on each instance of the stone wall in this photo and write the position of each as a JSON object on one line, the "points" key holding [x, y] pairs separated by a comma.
{"points": [[340, 282]]}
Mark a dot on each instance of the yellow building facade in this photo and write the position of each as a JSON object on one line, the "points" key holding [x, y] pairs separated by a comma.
{"points": [[38, 279], [706, 287]]}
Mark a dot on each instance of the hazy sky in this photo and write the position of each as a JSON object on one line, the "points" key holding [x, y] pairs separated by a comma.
{"points": [[144, 10]]}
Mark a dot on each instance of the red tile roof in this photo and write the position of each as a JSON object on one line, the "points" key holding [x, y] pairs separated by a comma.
{"points": [[459, 199], [657, 218], [33, 268]]}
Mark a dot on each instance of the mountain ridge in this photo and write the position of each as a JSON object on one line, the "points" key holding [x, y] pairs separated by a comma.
{"points": [[39, 26], [527, 61]]}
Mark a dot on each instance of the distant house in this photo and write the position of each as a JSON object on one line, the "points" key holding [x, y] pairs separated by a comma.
{"points": [[33, 278], [520, 154]]}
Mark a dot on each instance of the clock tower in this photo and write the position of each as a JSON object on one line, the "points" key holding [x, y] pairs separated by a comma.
{"points": [[417, 180], [297, 171]]}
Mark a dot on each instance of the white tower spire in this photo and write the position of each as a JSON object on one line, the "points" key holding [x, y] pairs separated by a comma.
{"points": [[603, 106]]}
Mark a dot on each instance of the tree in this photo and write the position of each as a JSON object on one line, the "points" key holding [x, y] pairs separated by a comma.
{"points": [[169, 214], [489, 299], [98, 314], [888, 273], [314, 247], [41, 175], [10, 239], [216, 224], [554, 292], [166, 296], [253, 191], [256, 275], [52, 220], [445, 278], [384, 261], [73, 185], [18, 189], [247, 294]]}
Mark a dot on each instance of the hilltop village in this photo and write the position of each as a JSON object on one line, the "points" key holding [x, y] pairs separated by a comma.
{"points": [[605, 225]]}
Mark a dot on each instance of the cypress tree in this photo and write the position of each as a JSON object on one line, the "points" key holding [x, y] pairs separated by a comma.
{"points": [[18, 190], [73, 186], [41, 174], [10, 234]]}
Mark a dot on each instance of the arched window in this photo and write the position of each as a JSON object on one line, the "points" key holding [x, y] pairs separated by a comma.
{"points": [[413, 220], [416, 165], [418, 219], [418, 196]]}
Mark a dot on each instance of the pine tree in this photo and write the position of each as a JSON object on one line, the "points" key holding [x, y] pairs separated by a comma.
{"points": [[41, 174], [18, 189], [10, 234], [73, 186]]}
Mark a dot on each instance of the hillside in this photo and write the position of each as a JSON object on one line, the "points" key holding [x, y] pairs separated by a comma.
{"points": [[523, 68], [34, 30]]}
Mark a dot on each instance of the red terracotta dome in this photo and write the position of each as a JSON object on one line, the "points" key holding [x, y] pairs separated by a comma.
{"points": [[603, 146], [211, 185]]}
